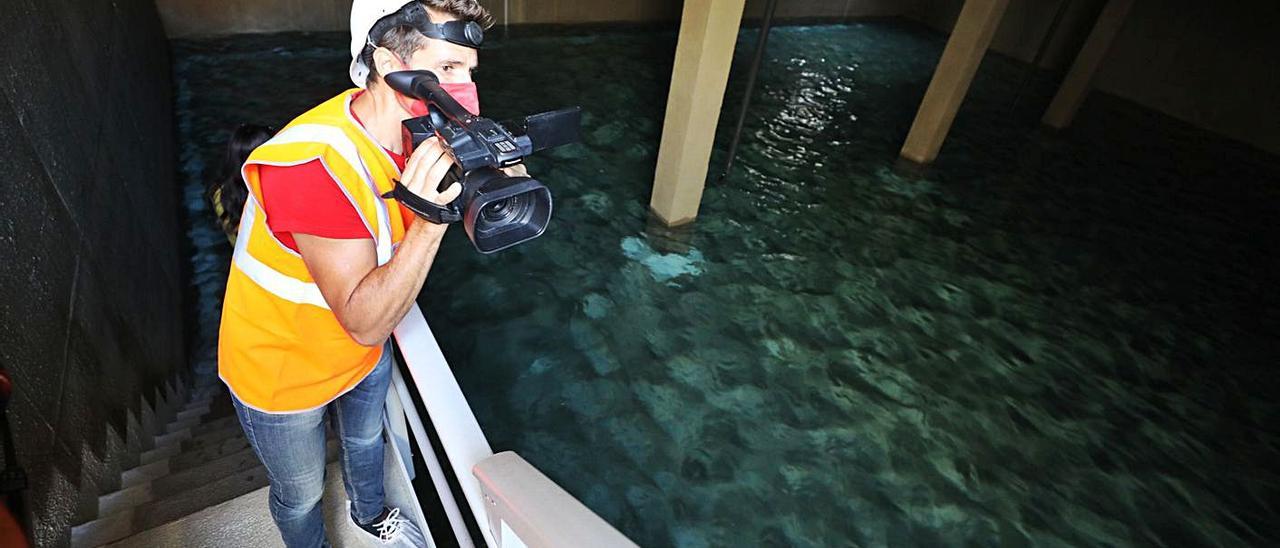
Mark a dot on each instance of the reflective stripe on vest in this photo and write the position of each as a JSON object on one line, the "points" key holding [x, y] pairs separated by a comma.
{"points": [[279, 284], [334, 138]]}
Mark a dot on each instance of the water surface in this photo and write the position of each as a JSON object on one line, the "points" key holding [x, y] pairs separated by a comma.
{"points": [[1049, 339]]}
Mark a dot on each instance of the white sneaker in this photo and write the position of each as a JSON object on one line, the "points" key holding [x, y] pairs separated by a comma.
{"points": [[390, 529]]}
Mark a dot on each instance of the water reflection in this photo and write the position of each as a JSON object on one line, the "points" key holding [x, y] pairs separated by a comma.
{"points": [[1040, 339]]}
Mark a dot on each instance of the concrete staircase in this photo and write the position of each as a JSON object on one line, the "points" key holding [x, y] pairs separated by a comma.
{"points": [[203, 486], [198, 458], [201, 459]]}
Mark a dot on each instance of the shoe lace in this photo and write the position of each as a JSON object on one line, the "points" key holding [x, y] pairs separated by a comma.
{"points": [[390, 527]]}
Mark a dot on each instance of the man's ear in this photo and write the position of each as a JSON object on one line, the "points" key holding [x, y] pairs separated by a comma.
{"points": [[386, 61]]}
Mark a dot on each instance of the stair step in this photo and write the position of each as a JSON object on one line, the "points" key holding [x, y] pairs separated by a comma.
{"points": [[212, 437], [136, 487], [180, 482], [103, 530], [244, 521], [194, 427], [213, 445], [210, 410], [214, 424], [195, 403], [144, 473], [155, 512], [158, 453], [161, 510], [124, 499], [193, 412], [209, 452], [184, 451], [206, 382], [182, 424], [236, 462], [172, 438], [207, 391], [204, 398]]}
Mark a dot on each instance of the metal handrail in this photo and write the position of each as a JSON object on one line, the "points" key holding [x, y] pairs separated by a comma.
{"points": [[464, 443], [414, 422]]}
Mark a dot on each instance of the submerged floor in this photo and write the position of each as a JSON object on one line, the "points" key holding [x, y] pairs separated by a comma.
{"points": [[1051, 339]]}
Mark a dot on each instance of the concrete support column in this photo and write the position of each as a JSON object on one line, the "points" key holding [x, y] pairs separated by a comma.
{"points": [[968, 43], [708, 31], [1075, 87]]}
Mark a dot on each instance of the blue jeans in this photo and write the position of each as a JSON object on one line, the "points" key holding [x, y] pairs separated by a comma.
{"points": [[292, 449]]}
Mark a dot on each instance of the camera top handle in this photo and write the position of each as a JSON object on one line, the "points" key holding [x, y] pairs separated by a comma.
{"points": [[474, 141], [423, 84]]}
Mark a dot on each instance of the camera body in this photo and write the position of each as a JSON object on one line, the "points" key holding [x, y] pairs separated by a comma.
{"points": [[498, 211], [481, 142]]}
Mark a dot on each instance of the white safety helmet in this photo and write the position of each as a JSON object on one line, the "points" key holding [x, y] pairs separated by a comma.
{"points": [[364, 13]]}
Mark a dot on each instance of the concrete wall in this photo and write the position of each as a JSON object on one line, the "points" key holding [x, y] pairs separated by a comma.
{"points": [[588, 11], [1023, 27], [90, 281], [1212, 64], [1204, 62], [186, 18]]}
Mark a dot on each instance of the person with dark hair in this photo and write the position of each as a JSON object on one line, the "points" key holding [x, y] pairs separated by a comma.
{"points": [[227, 194], [325, 266]]}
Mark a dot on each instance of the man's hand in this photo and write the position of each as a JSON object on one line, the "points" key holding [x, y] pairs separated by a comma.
{"points": [[517, 170], [426, 168]]}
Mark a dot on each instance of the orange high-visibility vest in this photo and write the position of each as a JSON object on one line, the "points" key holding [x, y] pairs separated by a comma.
{"points": [[280, 347]]}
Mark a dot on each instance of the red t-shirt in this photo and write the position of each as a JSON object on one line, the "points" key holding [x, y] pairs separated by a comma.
{"points": [[305, 199]]}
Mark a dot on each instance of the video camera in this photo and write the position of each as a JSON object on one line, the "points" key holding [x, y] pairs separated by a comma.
{"points": [[497, 210]]}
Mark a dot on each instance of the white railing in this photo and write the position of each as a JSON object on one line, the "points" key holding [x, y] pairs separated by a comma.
{"points": [[512, 502], [526, 508], [447, 409]]}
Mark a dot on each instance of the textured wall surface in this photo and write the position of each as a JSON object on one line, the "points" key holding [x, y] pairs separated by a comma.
{"points": [[1212, 64], [184, 18], [90, 281], [1023, 27], [1197, 61]]}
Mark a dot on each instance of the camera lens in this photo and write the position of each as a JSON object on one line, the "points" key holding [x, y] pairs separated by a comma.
{"points": [[507, 210]]}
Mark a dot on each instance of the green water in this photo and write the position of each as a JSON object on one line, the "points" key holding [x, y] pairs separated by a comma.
{"points": [[1041, 340]]}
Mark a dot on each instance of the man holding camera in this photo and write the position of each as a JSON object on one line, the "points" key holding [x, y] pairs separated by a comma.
{"points": [[324, 267]]}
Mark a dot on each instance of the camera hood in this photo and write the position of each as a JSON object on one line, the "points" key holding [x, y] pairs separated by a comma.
{"points": [[505, 211]]}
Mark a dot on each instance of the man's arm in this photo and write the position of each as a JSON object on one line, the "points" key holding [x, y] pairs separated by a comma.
{"points": [[370, 300]]}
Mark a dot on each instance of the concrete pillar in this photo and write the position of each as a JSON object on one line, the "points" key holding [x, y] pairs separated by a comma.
{"points": [[708, 30], [1075, 87], [968, 43]]}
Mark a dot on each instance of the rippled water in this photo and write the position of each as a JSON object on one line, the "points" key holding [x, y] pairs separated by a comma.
{"points": [[1043, 339]]}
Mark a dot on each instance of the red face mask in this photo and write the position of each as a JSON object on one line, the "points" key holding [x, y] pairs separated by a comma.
{"points": [[416, 107], [465, 94]]}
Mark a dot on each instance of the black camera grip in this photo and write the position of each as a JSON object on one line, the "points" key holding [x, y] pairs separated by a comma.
{"points": [[431, 211]]}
